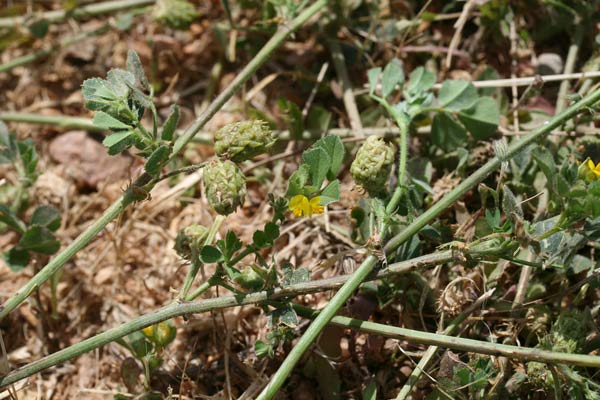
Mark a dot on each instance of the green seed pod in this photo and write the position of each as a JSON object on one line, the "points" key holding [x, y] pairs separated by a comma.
{"points": [[373, 164], [225, 186], [188, 238], [250, 279], [176, 14], [240, 141]]}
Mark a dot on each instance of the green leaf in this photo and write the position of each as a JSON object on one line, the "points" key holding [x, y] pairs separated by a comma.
{"points": [[446, 133], [331, 193], [336, 151], [370, 392], [157, 160], [39, 28], [10, 219], [8, 145], [420, 80], [263, 349], [319, 164], [393, 75], [318, 118], [286, 315], [510, 205], [293, 276], [298, 180], [140, 345], [210, 254], [457, 95], [170, 124], [117, 142], [120, 81], [293, 117], [29, 157], [271, 231], [104, 121], [482, 119], [373, 77], [17, 259], [260, 239], [97, 94], [40, 240], [47, 216], [134, 65], [545, 161]]}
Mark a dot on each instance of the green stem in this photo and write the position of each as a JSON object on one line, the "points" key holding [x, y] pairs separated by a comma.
{"points": [[403, 125], [247, 251], [418, 223], [114, 210], [61, 121], [196, 263], [458, 343], [79, 12], [214, 304], [36, 55]]}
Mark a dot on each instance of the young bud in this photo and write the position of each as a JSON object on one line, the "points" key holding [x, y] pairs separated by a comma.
{"points": [[250, 279], [225, 186], [189, 237], [240, 141], [373, 164]]}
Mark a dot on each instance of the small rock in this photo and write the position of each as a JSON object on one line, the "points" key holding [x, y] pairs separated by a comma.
{"points": [[86, 161], [549, 64]]}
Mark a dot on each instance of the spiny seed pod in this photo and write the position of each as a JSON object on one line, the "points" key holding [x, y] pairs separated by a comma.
{"points": [[249, 279], [373, 164], [176, 14], [188, 238], [240, 141], [225, 186], [567, 334]]}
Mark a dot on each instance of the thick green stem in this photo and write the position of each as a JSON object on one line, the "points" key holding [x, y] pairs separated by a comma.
{"points": [[110, 214], [403, 125], [79, 12], [36, 55], [458, 343], [61, 121], [177, 309], [367, 266]]}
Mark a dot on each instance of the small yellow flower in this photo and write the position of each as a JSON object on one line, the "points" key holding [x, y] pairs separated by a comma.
{"points": [[301, 206], [589, 171], [595, 169]]}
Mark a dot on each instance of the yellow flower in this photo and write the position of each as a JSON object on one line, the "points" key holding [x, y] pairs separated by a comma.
{"points": [[301, 206], [589, 171], [595, 169]]}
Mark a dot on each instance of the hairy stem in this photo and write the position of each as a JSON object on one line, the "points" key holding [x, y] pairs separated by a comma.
{"points": [[36, 55], [177, 309], [79, 12], [458, 343]]}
